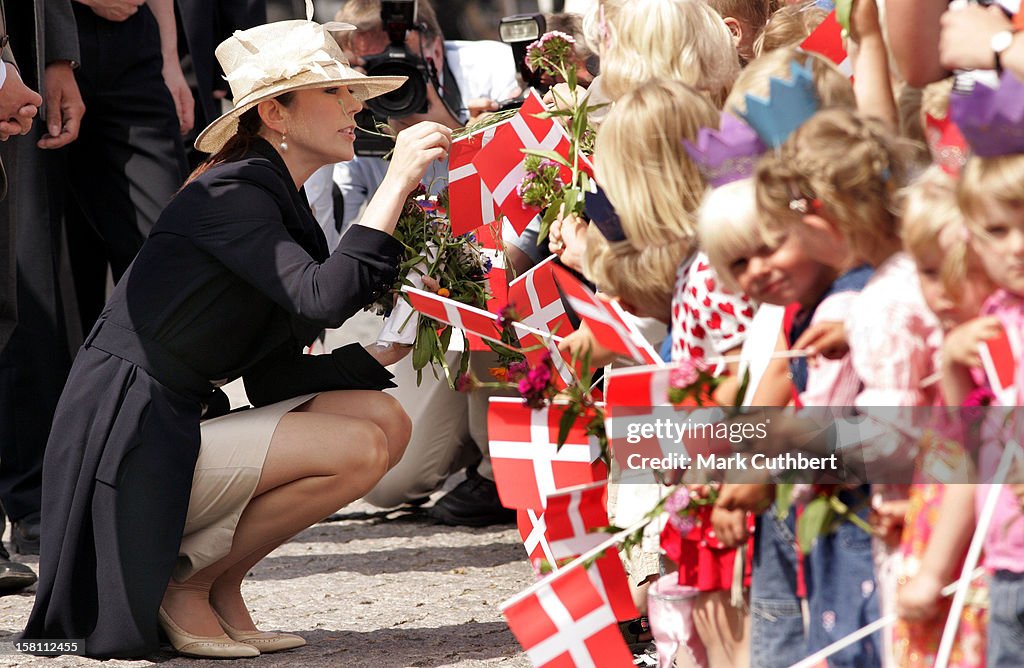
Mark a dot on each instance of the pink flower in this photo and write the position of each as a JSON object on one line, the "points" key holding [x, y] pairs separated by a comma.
{"points": [[534, 386], [466, 383], [678, 516], [684, 374]]}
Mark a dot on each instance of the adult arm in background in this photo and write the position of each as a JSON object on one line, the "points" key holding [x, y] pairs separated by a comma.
{"points": [[966, 37], [64, 106], [174, 78], [913, 29], [19, 104]]}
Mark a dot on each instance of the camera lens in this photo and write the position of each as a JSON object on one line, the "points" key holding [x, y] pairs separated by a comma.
{"points": [[410, 98]]}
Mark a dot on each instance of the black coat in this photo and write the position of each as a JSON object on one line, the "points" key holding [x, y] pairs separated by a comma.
{"points": [[233, 281]]}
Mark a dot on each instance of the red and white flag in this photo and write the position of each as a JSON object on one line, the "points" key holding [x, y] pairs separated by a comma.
{"points": [[636, 399], [470, 203], [567, 526], [528, 464], [500, 163], [467, 318], [567, 624], [827, 40], [999, 358], [535, 345], [606, 320], [535, 298]]}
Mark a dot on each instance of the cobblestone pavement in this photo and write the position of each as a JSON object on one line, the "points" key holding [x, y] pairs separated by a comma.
{"points": [[366, 588]]}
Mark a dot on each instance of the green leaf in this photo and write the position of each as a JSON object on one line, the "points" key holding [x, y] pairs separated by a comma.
{"points": [[550, 155], [783, 499], [813, 521], [566, 422]]}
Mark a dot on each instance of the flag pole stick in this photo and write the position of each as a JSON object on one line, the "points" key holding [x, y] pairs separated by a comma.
{"points": [[614, 539], [822, 654], [1013, 450]]}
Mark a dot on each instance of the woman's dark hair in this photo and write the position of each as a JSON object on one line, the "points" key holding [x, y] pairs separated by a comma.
{"points": [[249, 124]]}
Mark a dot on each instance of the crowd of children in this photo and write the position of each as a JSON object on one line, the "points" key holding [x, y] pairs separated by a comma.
{"points": [[795, 184]]}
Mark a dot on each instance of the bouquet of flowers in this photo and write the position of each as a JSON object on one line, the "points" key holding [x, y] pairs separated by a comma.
{"points": [[542, 188], [432, 255]]}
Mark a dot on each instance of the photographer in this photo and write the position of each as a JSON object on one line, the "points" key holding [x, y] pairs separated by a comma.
{"points": [[463, 79]]}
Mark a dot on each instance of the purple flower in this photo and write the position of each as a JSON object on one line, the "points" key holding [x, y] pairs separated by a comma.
{"points": [[466, 383], [534, 386]]}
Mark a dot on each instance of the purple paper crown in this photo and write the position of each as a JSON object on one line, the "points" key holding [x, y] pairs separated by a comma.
{"points": [[728, 154], [991, 119]]}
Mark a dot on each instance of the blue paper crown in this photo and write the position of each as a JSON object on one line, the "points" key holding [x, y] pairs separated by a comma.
{"points": [[788, 105], [602, 214]]}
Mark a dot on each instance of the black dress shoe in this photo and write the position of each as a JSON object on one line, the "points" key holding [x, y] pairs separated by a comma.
{"points": [[474, 503], [25, 534], [13, 576]]}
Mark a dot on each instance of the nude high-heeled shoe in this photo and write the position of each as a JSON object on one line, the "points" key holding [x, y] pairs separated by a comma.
{"points": [[205, 647], [265, 641]]}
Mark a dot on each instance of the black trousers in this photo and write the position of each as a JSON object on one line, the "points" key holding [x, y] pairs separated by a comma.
{"points": [[128, 160], [35, 362]]}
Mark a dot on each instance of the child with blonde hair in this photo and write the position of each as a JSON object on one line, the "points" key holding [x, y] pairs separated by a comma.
{"points": [[682, 40], [954, 286], [991, 197], [789, 26], [833, 185]]}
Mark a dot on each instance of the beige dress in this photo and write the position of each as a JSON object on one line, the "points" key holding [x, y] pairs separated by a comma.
{"points": [[230, 463]]}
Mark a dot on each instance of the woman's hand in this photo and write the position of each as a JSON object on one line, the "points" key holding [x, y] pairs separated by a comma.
{"points": [[388, 354], [961, 343], [966, 34], [415, 148], [567, 238]]}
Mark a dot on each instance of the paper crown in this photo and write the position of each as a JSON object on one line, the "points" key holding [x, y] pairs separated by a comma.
{"points": [[601, 213], [946, 144], [728, 154], [788, 105], [991, 119]]}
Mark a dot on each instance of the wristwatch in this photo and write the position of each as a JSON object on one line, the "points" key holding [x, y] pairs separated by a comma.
{"points": [[1000, 42]]}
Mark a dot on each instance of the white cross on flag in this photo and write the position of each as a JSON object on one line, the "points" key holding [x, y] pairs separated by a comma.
{"points": [[606, 320], [465, 317], [827, 41], [528, 465], [534, 347], [536, 300], [635, 398], [470, 203], [500, 163], [998, 357], [567, 624]]}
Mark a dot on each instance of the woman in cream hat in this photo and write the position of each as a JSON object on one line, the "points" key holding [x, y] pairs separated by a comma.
{"points": [[233, 281]]}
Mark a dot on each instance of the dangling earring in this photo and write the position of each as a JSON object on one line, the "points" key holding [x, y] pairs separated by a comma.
{"points": [[284, 142]]}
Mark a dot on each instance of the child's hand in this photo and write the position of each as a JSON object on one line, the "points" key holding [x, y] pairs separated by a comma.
{"points": [[567, 238], [730, 525], [961, 343], [827, 339], [917, 600], [887, 519], [864, 20], [581, 341], [750, 497]]}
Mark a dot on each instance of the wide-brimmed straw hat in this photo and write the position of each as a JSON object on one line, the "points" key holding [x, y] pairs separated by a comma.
{"points": [[266, 61]]}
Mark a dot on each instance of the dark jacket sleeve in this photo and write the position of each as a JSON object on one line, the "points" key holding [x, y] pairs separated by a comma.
{"points": [[239, 223], [61, 31], [288, 373]]}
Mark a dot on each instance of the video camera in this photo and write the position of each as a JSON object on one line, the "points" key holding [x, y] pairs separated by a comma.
{"points": [[398, 17]]}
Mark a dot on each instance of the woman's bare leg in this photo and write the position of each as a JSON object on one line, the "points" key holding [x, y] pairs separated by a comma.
{"points": [[318, 462]]}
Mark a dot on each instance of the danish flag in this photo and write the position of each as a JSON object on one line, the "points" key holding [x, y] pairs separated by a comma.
{"points": [[565, 528], [500, 163], [606, 320], [465, 317], [528, 464], [635, 398], [470, 203], [567, 623], [827, 41], [998, 357], [536, 299], [534, 346]]}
